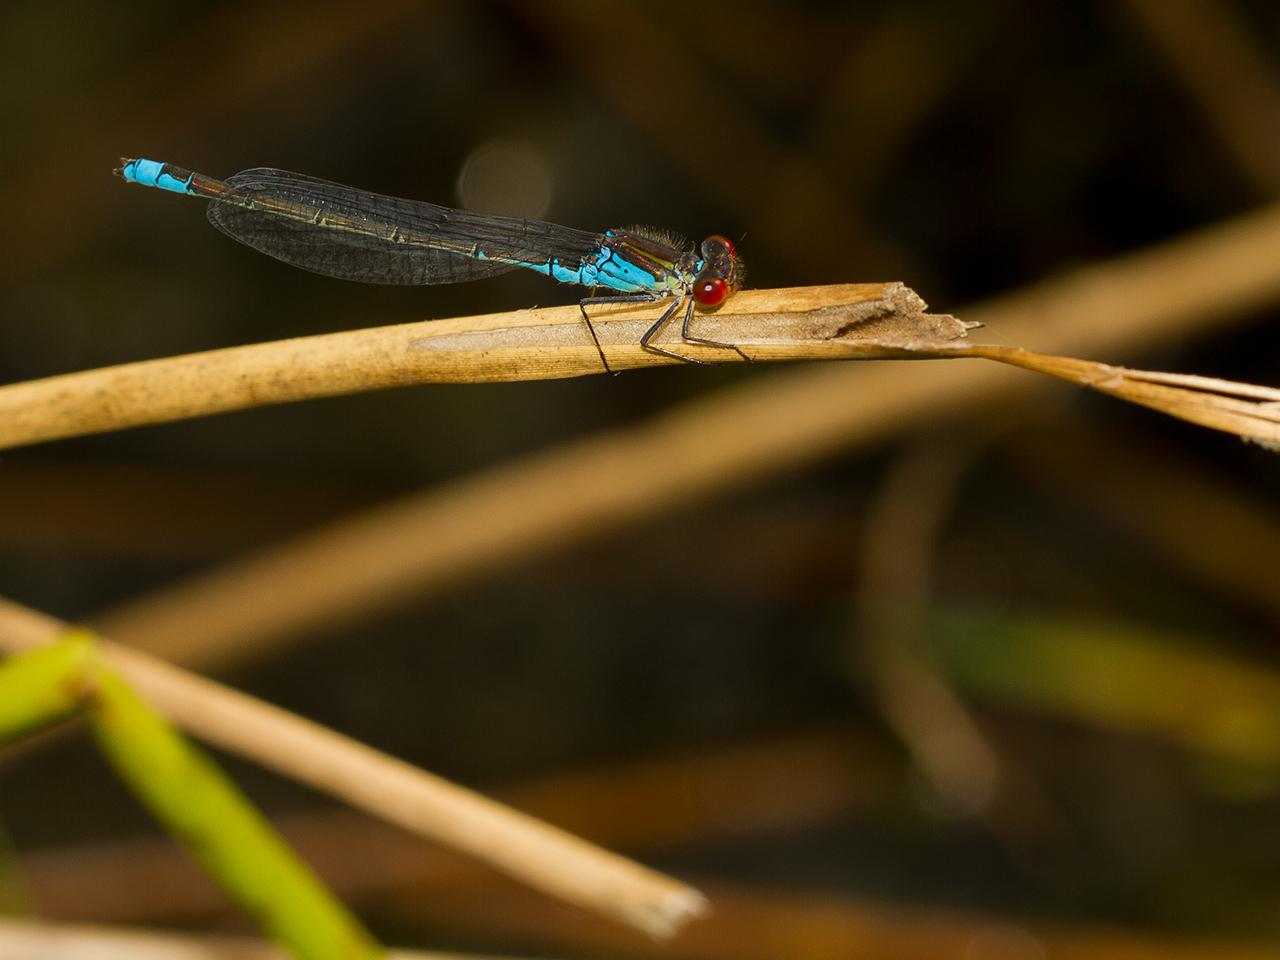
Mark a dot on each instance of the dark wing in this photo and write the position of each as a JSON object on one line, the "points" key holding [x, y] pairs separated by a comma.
{"points": [[356, 235]]}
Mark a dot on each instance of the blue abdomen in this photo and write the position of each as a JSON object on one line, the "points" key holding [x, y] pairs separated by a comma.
{"points": [[153, 173]]}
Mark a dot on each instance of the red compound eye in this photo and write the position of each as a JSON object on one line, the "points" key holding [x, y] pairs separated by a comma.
{"points": [[710, 292]]}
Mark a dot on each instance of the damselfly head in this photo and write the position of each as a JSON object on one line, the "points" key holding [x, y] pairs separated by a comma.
{"points": [[721, 272]]}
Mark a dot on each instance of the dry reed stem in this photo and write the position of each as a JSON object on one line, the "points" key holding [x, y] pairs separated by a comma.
{"points": [[850, 321], [36, 940], [542, 856], [807, 323]]}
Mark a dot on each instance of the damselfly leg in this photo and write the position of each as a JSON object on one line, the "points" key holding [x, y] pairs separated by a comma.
{"points": [[689, 337], [662, 321], [613, 298]]}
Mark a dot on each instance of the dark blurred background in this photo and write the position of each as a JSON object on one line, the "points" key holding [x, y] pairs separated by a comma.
{"points": [[1010, 669]]}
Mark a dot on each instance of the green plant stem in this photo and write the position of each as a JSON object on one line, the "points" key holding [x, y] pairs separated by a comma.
{"points": [[187, 793], [42, 687]]}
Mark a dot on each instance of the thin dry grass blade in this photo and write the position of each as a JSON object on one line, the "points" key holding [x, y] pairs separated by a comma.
{"points": [[1207, 401]]}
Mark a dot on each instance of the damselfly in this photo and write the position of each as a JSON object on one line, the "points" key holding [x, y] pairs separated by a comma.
{"points": [[356, 235]]}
